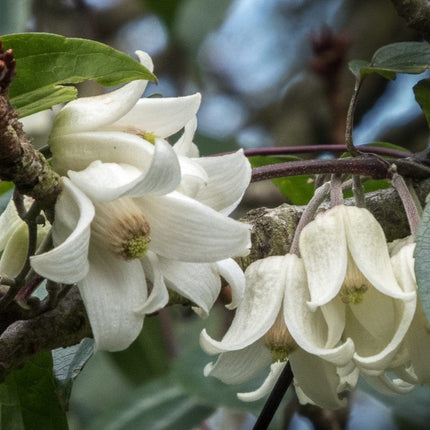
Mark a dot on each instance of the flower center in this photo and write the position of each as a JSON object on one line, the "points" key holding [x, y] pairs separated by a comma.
{"points": [[122, 227], [355, 285], [279, 340]]}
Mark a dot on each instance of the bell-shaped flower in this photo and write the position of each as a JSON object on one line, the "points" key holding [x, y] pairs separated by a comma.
{"points": [[412, 365], [353, 287], [259, 337], [120, 221]]}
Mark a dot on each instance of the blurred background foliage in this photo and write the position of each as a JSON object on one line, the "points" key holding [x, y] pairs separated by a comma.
{"points": [[271, 73]]}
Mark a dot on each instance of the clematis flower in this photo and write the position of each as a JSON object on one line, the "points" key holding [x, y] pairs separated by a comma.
{"points": [[351, 283], [411, 364], [120, 221], [259, 337]]}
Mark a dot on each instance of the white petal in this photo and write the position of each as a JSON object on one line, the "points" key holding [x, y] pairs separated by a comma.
{"points": [[267, 386], [235, 277], [68, 261], [309, 328], [388, 386], [235, 367], [184, 229], [110, 291], [324, 252], [403, 266], [77, 151], [198, 282], [15, 252], [418, 344], [185, 146], [109, 181], [320, 381], [161, 116], [382, 323], [368, 247], [92, 113], [193, 177], [265, 283], [9, 221], [159, 296], [229, 176]]}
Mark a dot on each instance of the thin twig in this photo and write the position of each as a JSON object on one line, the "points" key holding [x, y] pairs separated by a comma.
{"points": [[275, 398], [358, 191]]}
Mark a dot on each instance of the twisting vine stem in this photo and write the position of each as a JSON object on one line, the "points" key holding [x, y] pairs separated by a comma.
{"points": [[350, 120]]}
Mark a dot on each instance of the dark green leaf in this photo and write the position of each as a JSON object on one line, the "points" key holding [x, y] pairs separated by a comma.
{"points": [[298, 189], [165, 9], [28, 399], [44, 61], [158, 405], [187, 372], [422, 96], [402, 57], [422, 259], [147, 357], [68, 363]]}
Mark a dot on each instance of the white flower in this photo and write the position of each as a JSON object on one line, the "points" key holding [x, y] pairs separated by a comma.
{"points": [[353, 294], [120, 221], [259, 337], [14, 240], [411, 365]]}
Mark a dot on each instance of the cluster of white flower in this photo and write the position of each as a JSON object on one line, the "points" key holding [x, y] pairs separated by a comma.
{"points": [[344, 308], [138, 216]]}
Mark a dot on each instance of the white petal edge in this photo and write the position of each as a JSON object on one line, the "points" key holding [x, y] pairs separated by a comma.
{"points": [[388, 386], [161, 116], [267, 386], [76, 151], [235, 367], [186, 230], [368, 247], [9, 221], [110, 181], [184, 146], [324, 251], [308, 328], [229, 176], [110, 291], [265, 280], [92, 113], [235, 277], [68, 261], [159, 296]]}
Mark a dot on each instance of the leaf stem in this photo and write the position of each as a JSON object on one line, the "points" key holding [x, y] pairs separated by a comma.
{"points": [[350, 120]]}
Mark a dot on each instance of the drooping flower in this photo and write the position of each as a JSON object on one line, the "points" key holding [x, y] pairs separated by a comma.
{"points": [[120, 221], [352, 284], [411, 365], [259, 337]]}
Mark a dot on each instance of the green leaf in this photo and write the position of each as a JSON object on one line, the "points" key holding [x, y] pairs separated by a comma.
{"points": [[298, 189], [422, 96], [45, 61], [422, 259], [147, 357], [187, 372], [158, 405], [68, 363], [165, 9], [402, 57], [28, 400]]}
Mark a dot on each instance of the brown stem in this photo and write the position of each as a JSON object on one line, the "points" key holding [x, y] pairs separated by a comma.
{"points": [[63, 326]]}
